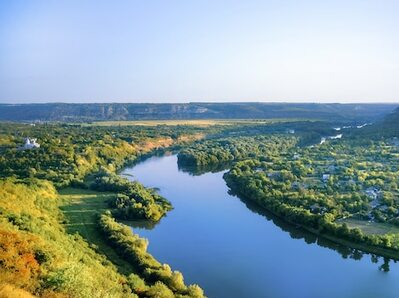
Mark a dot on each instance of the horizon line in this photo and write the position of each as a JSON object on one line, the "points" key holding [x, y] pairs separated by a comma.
{"points": [[197, 102]]}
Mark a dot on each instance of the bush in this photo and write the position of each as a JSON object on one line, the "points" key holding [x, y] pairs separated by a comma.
{"points": [[133, 201], [134, 249]]}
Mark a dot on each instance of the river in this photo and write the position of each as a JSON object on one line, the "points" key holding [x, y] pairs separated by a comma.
{"points": [[232, 249]]}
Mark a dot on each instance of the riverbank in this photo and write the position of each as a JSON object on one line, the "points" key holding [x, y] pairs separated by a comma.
{"points": [[232, 250], [383, 252], [84, 210], [81, 208], [87, 213]]}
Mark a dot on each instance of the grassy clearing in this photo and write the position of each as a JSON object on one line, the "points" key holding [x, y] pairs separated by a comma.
{"points": [[81, 208], [201, 122], [371, 227]]}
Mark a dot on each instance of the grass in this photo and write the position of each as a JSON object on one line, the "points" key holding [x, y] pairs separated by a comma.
{"points": [[371, 227], [200, 122], [81, 208]]}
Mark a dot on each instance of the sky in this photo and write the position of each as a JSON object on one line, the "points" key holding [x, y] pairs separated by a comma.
{"points": [[184, 51]]}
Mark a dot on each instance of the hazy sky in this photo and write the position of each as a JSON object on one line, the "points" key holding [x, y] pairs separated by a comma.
{"points": [[157, 51]]}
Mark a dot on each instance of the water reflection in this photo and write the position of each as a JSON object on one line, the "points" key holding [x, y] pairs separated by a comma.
{"points": [[296, 232], [200, 170], [141, 224], [231, 252]]}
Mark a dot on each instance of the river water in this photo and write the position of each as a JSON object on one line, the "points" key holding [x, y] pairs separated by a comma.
{"points": [[232, 249]]}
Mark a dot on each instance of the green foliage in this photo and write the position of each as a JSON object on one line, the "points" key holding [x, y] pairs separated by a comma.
{"points": [[319, 186], [68, 153], [214, 152], [134, 249], [133, 201], [387, 128], [39, 256]]}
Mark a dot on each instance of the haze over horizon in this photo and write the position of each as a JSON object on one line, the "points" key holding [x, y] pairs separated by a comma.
{"points": [[23, 102], [208, 51]]}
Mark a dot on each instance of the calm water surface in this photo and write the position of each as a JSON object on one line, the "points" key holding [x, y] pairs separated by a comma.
{"points": [[231, 249]]}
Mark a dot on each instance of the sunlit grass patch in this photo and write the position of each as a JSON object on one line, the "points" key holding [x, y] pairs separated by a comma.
{"points": [[81, 208], [371, 227]]}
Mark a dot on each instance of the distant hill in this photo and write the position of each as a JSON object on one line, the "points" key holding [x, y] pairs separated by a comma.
{"points": [[135, 111], [392, 119], [390, 125], [386, 127]]}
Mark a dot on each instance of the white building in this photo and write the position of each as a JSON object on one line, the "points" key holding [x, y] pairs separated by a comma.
{"points": [[30, 144], [325, 177]]}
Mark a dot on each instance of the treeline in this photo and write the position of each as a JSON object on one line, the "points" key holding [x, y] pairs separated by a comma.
{"points": [[166, 283], [37, 255], [214, 152], [323, 224], [385, 128], [133, 201], [68, 153], [293, 190]]}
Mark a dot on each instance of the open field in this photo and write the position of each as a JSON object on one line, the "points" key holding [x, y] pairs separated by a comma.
{"points": [[371, 227], [201, 122], [81, 208]]}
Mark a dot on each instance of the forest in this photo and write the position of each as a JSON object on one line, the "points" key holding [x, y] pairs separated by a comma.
{"points": [[133, 200], [298, 170], [40, 252], [333, 188]]}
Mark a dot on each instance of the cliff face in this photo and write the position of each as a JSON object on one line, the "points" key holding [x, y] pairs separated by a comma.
{"points": [[131, 111]]}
